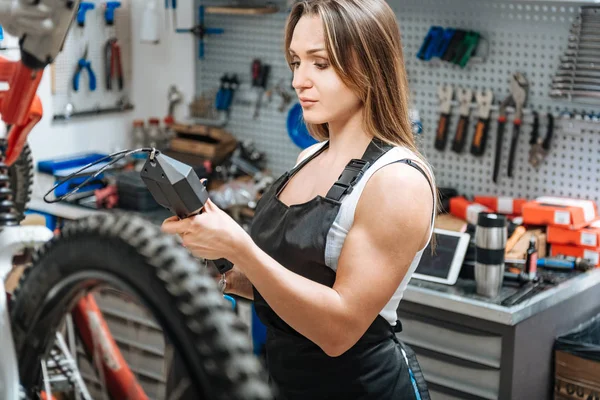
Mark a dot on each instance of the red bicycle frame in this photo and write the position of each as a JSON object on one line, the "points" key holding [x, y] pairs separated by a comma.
{"points": [[21, 109]]}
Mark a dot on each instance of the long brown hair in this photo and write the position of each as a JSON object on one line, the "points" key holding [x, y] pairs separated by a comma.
{"points": [[362, 38]]}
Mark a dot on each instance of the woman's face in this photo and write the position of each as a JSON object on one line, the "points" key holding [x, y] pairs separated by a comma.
{"points": [[322, 94]]}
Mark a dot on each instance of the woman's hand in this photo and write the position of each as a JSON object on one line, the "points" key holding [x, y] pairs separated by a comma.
{"points": [[213, 234]]}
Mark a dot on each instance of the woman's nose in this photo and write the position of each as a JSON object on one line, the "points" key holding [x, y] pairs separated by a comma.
{"points": [[301, 79]]}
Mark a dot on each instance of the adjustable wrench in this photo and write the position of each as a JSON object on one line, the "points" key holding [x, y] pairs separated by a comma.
{"points": [[445, 94], [518, 88], [484, 100], [464, 99]]}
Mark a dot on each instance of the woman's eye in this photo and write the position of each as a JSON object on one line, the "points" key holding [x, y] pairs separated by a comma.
{"points": [[321, 66], [294, 64]]}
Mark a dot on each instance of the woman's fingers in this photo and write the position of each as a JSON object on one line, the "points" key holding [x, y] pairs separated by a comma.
{"points": [[171, 225]]}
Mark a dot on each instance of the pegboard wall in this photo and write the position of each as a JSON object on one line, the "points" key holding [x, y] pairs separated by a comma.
{"points": [[94, 35], [528, 37]]}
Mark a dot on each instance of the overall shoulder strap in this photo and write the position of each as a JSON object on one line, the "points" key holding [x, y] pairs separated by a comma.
{"points": [[356, 168], [416, 166], [308, 159]]}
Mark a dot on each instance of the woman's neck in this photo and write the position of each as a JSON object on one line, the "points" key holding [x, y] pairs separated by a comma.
{"points": [[347, 138]]}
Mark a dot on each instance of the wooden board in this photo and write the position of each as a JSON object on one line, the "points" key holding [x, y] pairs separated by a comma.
{"points": [[217, 134], [241, 10], [208, 150]]}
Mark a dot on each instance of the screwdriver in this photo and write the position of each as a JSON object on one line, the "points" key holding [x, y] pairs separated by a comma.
{"points": [[174, 8], [260, 76]]}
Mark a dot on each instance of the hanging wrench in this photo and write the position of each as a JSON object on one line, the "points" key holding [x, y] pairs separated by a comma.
{"points": [[518, 89], [484, 100], [464, 99], [445, 94]]}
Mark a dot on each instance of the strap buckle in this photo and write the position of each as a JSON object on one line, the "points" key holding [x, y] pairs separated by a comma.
{"points": [[353, 172]]}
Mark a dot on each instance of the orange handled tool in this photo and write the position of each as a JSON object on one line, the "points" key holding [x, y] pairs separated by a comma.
{"points": [[445, 94]]}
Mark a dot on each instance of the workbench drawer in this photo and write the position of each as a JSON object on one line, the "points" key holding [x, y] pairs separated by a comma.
{"points": [[453, 340], [463, 376]]}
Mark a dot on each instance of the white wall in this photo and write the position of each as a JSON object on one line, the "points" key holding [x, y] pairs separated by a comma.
{"points": [[155, 68]]}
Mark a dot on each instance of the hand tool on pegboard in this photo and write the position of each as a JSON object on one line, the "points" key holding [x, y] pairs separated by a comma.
{"points": [[539, 149], [464, 96], [109, 11], [533, 140], [431, 42], [84, 7], [508, 101], [445, 95], [466, 48], [82, 64], [201, 31], [113, 68], [260, 77], [484, 100], [518, 88], [454, 45], [516, 80], [224, 98], [173, 5]]}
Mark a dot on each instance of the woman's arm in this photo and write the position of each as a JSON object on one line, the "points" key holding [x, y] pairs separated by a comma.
{"points": [[238, 284], [391, 224]]}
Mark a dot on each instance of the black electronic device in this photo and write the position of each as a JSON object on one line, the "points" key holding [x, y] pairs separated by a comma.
{"points": [[175, 186]]}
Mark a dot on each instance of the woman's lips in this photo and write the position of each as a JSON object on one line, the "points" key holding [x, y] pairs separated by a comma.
{"points": [[307, 103]]}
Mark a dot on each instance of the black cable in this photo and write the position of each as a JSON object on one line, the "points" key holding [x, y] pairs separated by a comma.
{"points": [[119, 154]]}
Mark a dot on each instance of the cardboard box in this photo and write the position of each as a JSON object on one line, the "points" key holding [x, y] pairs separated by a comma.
{"points": [[590, 254], [501, 205], [588, 237], [576, 377], [568, 213], [519, 250], [211, 143]]}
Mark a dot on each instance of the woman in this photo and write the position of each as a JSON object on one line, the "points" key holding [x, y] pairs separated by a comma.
{"points": [[335, 241]]}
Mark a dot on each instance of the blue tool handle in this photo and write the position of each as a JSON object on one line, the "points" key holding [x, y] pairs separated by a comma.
{"points": [[444, 42], [173, 4], [83, 8], [201, 49], [109, 13], [181, 30], [92, 77], [220, 99], [429, 43], [76, 81], [214, 31], [555, 263]]}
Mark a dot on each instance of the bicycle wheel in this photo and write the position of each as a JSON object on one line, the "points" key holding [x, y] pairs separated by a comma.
{"points": [[132, 255]]}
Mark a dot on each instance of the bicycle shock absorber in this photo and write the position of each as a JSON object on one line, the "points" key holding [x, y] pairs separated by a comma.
{"points": [[8, 212]]}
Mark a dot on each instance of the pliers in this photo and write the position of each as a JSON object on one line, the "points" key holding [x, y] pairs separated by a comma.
{"points": [[540, 148], [113, 66], [518, 95], [81, 64]]}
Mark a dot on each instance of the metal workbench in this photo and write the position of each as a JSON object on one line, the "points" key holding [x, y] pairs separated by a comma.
{"points": [[473, 348]]}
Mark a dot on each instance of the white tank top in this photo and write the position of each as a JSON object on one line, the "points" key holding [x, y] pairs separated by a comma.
{"points": [[345, 218]]}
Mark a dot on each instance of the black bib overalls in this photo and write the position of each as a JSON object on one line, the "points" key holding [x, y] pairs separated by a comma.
{"points": [[295, 236]]}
